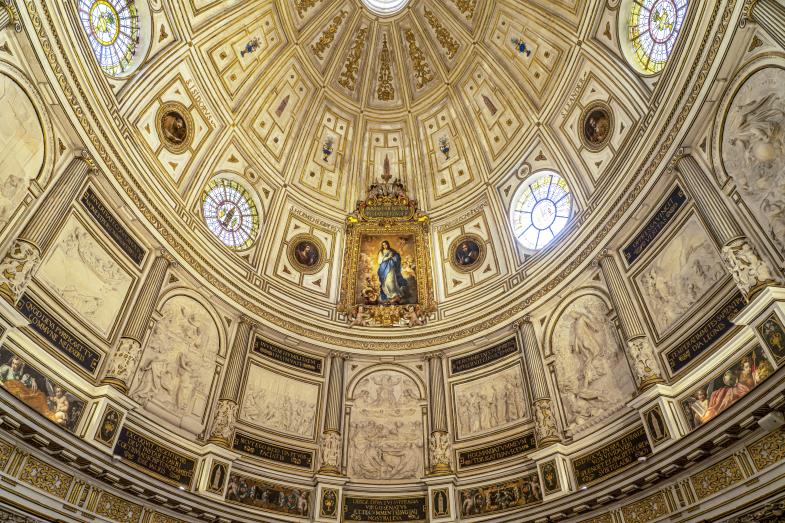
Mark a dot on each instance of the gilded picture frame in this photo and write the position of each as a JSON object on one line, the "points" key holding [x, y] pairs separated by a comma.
{"points": [[386, 278]]}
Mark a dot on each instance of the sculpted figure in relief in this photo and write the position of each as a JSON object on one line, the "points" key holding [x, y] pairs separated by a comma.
{"points": [[331, 450], [753, 148], [176, 371], [489, 403], [748, 270], [18, 268], [440, 450], [386, 430], [593, 374]]}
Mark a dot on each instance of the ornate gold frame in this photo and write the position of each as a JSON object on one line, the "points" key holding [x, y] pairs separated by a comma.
{"points": [[593, 106], [480, 256], [183, 111], [291, 256], [387, 214]]}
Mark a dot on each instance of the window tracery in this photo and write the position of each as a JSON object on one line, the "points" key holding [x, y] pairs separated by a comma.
{"points": [[112, 28], [541, 209], [230, 213], [653, 28], [385, 7]]}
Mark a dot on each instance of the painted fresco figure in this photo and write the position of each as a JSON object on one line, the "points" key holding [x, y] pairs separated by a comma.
{"points": [[391, 280]]}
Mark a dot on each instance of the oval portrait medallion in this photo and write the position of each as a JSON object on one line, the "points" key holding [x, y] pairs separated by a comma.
{"points": [[596, 126], [467, 253], [306, 253], [175, 127]]}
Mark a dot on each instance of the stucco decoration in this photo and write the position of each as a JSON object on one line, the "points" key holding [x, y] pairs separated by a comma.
{"points": [[593, 375], [680, 275], [386, 428], [174, 379], [280, 403], [753, 148], [493, 402], [21, 146], [82, 273]]}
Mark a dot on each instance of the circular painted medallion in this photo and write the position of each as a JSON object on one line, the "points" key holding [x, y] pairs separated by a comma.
{"points": [[175, 127], [306, 253], [467, 253], [596, 126]]}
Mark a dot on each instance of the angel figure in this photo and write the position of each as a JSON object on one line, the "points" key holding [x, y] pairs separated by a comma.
{"points": [[412, 317], [361, 318]]}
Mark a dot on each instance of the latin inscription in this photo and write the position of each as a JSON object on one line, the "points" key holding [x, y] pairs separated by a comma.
{"points": [[483, 357], [148, 455], [113, 228], [497, 452], [287, 357], [390, 510], [708, 334], [612, 458], [656, 225], [268, 451], [55, 333]]}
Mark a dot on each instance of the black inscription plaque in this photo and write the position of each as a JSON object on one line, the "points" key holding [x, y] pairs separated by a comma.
{"points": [[287, 357], [497, 451], [708, 334], [112, 226], [55, 333], [655, 226], [483, 357], [148, 456], [391, 510], [269, 451], [613, 457]]}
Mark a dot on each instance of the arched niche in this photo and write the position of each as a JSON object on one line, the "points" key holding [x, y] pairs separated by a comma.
{"points": [[176, 375], [25, 141], [386, 425], [593, 377]]}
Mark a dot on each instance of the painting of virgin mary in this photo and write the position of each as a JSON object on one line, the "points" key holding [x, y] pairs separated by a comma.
{"points": [[392, 284], [387, 270]]}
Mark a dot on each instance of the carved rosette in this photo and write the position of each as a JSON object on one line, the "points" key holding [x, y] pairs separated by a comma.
{"points": [[644, 362], [440, 453], [123, 364], [330, 452], [224, 422], [749, 271], [545, 423], [18, 268]]}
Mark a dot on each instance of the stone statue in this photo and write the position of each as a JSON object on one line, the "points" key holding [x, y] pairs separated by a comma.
{"points": [[440, 451], [18, 268], [125, 360], [643, 361], [331, 451], [748, 270], [545, 428], [224, 421]]}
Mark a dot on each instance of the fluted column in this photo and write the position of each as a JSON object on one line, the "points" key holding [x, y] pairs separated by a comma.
{"points": [[225, 417], [545, 428], [5, 16], [128, 353], [440, 439], [750, 272], [639, 347], [23, 259], [770, 15], [331, 446]]}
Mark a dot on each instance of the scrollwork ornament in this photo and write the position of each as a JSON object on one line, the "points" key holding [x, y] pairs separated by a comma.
{"points": [[545, 424], [224, 422], [18, 268], [749, 271], [439, 447]]}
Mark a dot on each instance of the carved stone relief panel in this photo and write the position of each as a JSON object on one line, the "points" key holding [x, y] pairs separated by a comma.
{"points": [[82, 273], [680, 275], [490, 403], [280, 402], [386, 428], [176, 373], [753, 148], [592, 372], [21, 146], [175, 124]]}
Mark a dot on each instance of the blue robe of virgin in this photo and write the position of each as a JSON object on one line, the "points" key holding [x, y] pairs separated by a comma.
{"points": [[391, 267]]}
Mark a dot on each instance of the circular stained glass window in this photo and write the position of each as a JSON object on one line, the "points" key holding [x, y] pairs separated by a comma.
{"points": [[230, 213], [541, 209], [385, 7], [654, 27], [112, 28]]}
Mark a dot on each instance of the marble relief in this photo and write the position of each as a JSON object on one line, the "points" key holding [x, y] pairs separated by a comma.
{"points": [[386, 428], [21, 146], [175, 375], [753, 148], [84, 275], [593, 375], [680, 275], [280, 403], [489, 403]]}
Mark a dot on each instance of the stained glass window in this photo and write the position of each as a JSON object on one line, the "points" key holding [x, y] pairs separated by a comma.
{"points": [[541, 209], [654, 27], [112, 28], [230, 213], [385, 7]]}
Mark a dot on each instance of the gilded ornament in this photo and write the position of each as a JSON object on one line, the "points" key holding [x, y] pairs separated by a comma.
{"points": [[768, 450], [175, 127], [446, 40], [422, 72], [647, 509], [385, 92], [46, 478], [718, 477], [348, 78], [328, 35], [118, 509]]}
